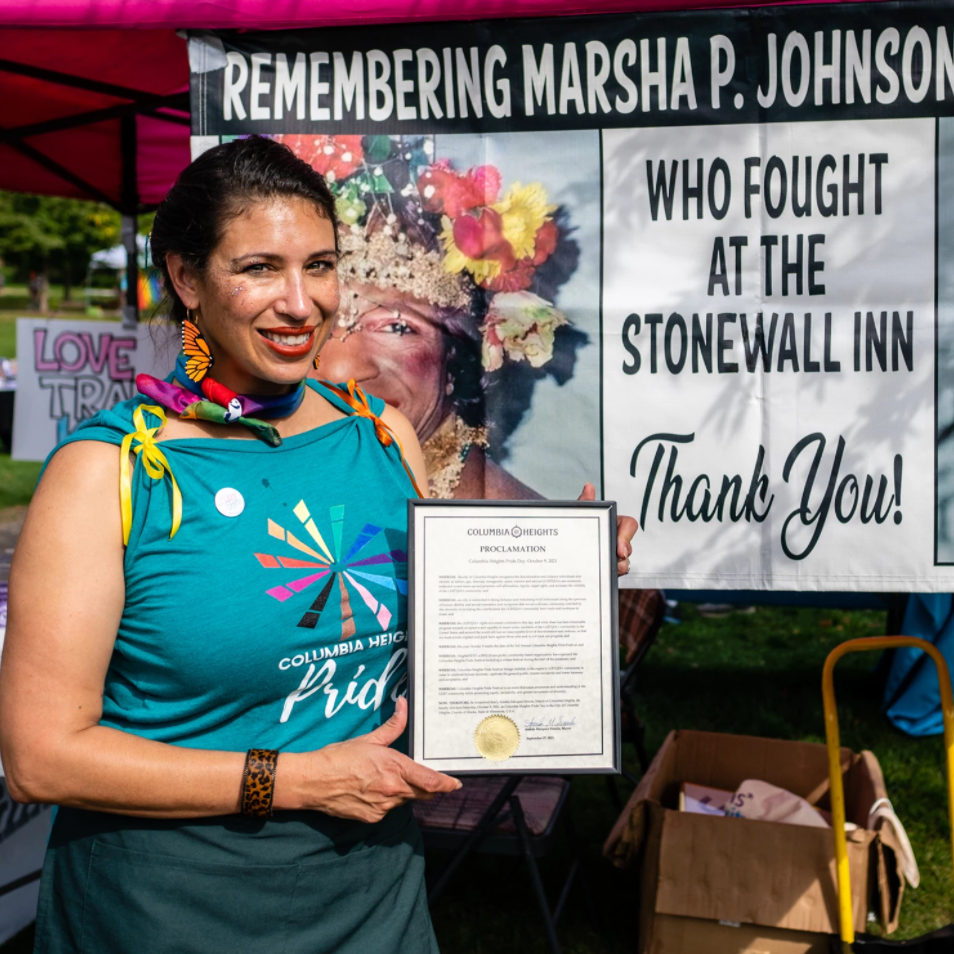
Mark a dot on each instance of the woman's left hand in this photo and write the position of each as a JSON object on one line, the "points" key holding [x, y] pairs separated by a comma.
{"points": [[626, 528]]}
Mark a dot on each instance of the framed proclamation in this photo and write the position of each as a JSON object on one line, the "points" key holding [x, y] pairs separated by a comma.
{"points": [[513, 658]]}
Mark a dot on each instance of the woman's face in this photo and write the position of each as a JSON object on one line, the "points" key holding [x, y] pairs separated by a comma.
{"points": [[393, 346], [268, 296]]}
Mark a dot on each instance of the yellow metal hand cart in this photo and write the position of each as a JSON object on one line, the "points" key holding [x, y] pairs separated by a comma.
{"points": [[938, 941]]}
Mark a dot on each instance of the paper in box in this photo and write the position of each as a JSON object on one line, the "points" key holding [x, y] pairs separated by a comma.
{"points": [[703, 799], [719, 884]]}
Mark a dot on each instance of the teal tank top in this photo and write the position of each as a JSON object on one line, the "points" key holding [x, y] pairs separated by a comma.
{"points": [[276, 616]]}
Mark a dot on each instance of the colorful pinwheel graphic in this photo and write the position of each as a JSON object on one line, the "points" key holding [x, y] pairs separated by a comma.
{"points": [[351, 565]]}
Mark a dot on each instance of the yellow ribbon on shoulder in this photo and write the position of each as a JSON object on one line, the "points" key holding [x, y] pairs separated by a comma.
{"points": [[142, 442]]}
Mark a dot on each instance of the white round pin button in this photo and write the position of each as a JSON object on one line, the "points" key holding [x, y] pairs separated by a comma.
{"points": [[229, 502]]}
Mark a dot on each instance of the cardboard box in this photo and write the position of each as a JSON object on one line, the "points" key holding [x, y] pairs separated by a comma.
{"points": [[728, 885]]}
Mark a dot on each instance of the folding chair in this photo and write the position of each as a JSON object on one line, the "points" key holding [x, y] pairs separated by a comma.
{"points": [[501, 814]]}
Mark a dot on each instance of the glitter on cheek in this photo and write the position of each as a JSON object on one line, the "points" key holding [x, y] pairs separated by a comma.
{"points": [[237, 290]]}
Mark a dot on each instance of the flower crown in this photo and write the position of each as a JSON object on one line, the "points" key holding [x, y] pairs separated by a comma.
{"points": [[418, 226]]}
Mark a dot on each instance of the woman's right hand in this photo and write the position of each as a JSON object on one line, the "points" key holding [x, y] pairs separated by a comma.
{"points": [[361, 778]]}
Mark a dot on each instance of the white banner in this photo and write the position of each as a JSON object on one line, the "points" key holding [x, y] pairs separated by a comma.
{"points": [[769, 352]]}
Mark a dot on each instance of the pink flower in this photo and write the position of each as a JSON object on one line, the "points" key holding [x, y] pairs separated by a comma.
{"points": [[480, 237]]}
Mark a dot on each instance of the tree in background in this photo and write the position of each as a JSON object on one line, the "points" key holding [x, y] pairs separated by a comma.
{"points": [[53, 236]]}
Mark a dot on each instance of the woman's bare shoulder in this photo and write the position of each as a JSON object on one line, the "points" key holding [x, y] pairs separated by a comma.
{"points": [[79, 489], [81, 464]]}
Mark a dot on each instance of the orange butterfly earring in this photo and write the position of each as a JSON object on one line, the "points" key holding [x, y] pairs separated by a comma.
{"points": [[317, 360], [196, 349], [198, 362]]}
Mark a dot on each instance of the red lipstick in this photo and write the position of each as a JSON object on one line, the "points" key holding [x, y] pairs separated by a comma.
{"points": [[289, 342]]}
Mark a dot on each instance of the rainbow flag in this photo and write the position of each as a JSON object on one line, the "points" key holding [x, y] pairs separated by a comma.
{"points": [[150, 289]]}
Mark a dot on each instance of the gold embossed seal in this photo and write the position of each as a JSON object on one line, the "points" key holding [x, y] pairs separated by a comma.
{"points": [[496, 738]]}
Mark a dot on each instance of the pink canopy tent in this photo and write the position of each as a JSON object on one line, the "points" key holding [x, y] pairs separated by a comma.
{"points": [[94, 93], [93, 114]]}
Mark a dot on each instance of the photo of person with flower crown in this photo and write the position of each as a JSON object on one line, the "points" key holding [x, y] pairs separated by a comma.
{"points": [[449, 276]]}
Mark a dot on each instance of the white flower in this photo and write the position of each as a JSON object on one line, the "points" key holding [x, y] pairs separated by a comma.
{"points": [[520, 326]]}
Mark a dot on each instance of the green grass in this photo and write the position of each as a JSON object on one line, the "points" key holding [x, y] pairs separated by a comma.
{"points": [[17, 480], [8, 334]]}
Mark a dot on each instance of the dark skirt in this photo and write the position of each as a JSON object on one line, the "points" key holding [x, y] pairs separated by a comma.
{"points": [[298, 883]]}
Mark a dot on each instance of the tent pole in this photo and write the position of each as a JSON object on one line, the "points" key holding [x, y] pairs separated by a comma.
{"points": [[129, 201]]}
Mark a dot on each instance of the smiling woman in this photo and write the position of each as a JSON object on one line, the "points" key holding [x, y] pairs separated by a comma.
{"points": [[260, 519]]}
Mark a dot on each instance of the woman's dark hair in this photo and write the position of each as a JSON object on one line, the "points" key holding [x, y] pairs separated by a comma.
{"points": [[461, 334], [499, 399], [219, 185]]}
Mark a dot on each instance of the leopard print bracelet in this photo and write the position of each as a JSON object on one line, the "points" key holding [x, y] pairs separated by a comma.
{"points": [[258, 782]]}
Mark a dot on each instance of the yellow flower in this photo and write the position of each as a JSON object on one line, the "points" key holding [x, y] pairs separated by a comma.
{"points": [[523, 210]]}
